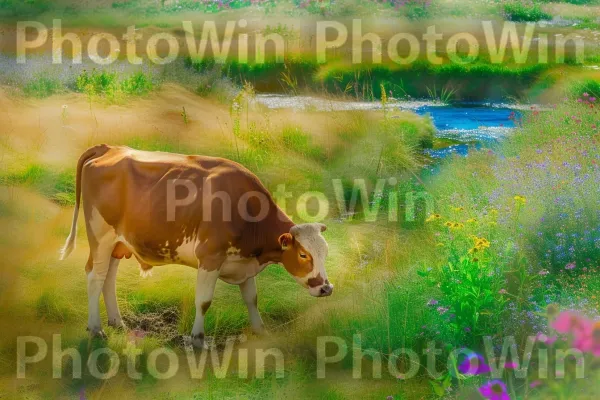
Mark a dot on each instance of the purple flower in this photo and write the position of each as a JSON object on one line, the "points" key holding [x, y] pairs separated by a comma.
{"points": [[570, 266], [494, 390], [432, 302], [474, 364], [442, 310]]}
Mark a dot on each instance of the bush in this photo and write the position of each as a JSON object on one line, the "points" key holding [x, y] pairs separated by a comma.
{"points": [[107, 84], [42, 87], [525, 11]]}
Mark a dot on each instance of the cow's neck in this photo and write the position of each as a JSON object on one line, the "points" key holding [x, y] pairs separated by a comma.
{"points": [[271, 252]]}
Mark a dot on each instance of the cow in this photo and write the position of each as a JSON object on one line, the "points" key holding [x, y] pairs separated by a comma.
{"points": [[204, 212]]}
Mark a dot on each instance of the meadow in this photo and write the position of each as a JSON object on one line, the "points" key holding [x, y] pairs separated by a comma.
{"points": [[507, 257]]}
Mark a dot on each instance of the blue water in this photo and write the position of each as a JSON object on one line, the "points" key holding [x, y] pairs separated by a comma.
{"points": [[475, 126], [468, 117]]}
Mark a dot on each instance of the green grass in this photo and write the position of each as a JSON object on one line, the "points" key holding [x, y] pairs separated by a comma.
{"points": [[59, 186], [42, 87], [107, 84], [452, 82], [300, 142], [528, 11]]}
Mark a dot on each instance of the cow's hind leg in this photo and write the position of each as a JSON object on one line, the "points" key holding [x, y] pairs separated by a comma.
{"points": [[101, 260], [109, 292], [250, 297]]}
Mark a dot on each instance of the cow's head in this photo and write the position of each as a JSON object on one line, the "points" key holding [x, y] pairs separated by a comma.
{"points": [[304, 253]]}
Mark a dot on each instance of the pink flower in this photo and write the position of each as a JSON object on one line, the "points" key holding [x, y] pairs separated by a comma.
{"points": [[567, 321], [494, 390], [474, 364], [570, 266], [586, 94], [547, 340]]}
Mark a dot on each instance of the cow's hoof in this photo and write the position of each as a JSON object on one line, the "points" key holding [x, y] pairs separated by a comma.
{"points": [[198, 341], [97, 334], [261, 331], [119, 326]]}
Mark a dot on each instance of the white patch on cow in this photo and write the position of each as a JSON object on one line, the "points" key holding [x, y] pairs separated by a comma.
{"points": [[237, 269], [309, 236], [186, 252], [98, 225]]}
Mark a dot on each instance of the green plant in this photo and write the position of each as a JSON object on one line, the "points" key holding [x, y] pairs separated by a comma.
{"points": [[42, 87], [523, 11]]}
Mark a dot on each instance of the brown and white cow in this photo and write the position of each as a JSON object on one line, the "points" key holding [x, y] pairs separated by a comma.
{"points": [[205, 212]]}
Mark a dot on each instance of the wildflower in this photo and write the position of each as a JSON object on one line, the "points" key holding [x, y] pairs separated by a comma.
{"points": [[570, 266], [432, 302], [471, 220], [520, 199], [543, 272], [586, 94], [494, 390], [535, 384], [449, 224], [442, 310], [457, 209], [433, 217], [457, 225], [594, 343], [569, 322], [502, 291], [64, 107], [474, 364], [547, 340]]}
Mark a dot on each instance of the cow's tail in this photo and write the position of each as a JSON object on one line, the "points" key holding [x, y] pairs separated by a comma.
{"points": [[89, 154]]}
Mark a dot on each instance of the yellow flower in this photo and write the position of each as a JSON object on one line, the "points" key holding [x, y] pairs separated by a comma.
{"points": [[457, 225], [458, 208], [440, 245], [520, 199], [493, 211], [471, 220], [433, 217], [449, 224]]}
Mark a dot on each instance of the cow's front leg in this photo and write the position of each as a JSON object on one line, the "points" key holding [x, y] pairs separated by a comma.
{"points": [[205, 289], [250, 297]]}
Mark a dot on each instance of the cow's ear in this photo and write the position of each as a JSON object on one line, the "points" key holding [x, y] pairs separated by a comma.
{"points": [[286, 240], [322, 227]]}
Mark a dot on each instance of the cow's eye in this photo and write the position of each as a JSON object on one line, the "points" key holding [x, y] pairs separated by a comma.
{"points": [[302, 255]]}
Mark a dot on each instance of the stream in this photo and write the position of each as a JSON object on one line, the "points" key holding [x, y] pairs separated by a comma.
{"points": [[469, 125]]}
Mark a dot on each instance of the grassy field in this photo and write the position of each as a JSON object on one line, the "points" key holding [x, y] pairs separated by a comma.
{"points": [[498, 245], [533, 205]]}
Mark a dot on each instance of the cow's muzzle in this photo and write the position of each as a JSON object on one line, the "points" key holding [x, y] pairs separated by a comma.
{"points": [[326, 290]]}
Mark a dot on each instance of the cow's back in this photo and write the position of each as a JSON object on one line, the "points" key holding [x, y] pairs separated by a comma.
{"points": [[129, 190]]}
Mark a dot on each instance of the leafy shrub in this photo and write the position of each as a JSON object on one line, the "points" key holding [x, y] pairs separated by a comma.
{"points": [[107, 84], [524, 11], [42, 87]]}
